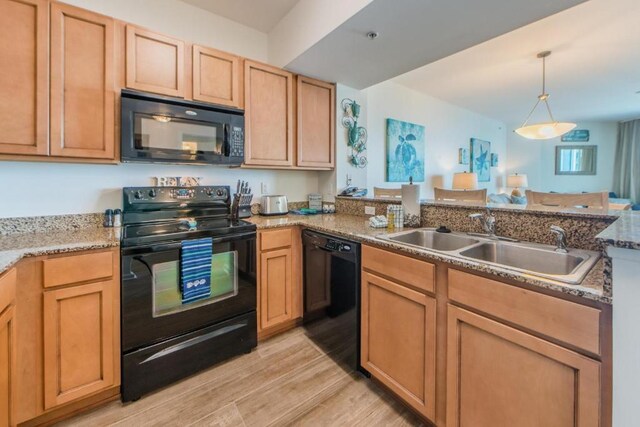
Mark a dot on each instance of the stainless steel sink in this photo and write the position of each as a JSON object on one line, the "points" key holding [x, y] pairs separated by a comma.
{"points": [[431, 239], [529, 258]]}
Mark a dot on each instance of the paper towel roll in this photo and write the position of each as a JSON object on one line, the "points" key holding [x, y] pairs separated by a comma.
{"points": [[411, 201]]}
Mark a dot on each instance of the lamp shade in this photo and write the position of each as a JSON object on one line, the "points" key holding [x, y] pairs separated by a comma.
{"points": [[517, 181], [465, 181], [545, 130]]}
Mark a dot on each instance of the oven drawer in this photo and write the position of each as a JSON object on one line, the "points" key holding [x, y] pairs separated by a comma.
{"points": [[155, 366]]}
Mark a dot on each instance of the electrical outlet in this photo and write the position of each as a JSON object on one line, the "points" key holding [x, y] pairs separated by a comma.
{"points": [[369, 210], [263, 188]]}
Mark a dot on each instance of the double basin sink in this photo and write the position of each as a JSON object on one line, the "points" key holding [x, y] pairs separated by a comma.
{"points": [[528, 258]]}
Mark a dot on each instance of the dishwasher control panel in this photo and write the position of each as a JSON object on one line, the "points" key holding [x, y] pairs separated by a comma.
{"points": [[335, 245]]}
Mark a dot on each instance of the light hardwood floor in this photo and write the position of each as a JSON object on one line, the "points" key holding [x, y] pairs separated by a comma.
{"points": [[287, 380]]}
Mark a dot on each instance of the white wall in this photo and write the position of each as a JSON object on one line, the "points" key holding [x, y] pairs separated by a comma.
{"points": [[537, 160], [53, 188], [448, 128], [33, 189]]}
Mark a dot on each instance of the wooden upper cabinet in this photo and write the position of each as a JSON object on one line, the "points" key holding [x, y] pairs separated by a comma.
{"points": [[82, 83], [154, 63], [398, 341], [79, 342], [216, 77], [316, 123], [499, 376], [268, 104], [24, 34]]}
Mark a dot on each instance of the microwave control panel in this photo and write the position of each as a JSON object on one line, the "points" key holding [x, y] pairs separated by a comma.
{"points": [[237, 142]]}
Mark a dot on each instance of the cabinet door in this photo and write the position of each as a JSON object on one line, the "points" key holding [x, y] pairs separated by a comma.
{"points": [[499, 376], [24, 35], [398, 340], [316, 123], [268, 115], [78, 342], [155, 63], [216, 76], [7, 367], [82, 83], [275, 288]]}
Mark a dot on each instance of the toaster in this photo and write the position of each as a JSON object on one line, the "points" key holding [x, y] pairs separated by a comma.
{"points": [[274, 205]]}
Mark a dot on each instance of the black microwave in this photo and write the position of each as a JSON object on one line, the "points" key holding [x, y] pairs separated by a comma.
{"points": [[160, 129]]}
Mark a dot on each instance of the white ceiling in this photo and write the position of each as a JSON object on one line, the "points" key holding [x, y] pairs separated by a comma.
{"points": [[261, 15], [592, 74], [414, 33]]}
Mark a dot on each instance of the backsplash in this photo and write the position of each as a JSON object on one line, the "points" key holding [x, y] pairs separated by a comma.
{"points": [[35, 224], [518, 224]]}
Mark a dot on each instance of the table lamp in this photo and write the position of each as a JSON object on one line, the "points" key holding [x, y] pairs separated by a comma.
{"points": [[517, 181], [465, 181]]}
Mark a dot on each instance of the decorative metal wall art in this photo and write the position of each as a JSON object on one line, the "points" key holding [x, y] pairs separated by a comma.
{"points": [[357, 135]]}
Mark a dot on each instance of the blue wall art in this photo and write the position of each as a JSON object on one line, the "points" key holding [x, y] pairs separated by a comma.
{"points": [[494, 160], [481, 159], [405, 151]]}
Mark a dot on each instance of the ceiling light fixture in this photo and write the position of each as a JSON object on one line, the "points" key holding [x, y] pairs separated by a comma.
{"points": [[371, 35], [548, 130]]}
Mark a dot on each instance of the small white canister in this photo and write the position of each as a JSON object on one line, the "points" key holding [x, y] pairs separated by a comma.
{"points": [[398, 215]]}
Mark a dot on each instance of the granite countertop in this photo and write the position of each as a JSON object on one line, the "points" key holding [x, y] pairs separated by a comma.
{"points": [[357, 228], [537, 209], [624, 232], [14, 247]]}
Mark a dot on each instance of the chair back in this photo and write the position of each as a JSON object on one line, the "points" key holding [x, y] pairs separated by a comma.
{"points": [[461, 195], [569, 200], [387, 193]]}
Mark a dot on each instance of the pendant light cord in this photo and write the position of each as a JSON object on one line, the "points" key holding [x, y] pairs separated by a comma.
{"points": [[544, 96]]}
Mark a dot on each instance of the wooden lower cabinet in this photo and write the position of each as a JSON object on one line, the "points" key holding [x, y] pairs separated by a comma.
{"points": [[7, 367], [398, 343], [275, 287], [78, 342], [279, 280], [500, 376]]}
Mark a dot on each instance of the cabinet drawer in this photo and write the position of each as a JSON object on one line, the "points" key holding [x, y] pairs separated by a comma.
{"points": [[7, 289], [77, 268], [410, 271], [275, 239], [566, 321]]}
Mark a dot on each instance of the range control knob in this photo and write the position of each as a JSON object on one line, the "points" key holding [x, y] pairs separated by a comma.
{"points": [[152, 193], [209, 192], [220, 192], [138, 194]]}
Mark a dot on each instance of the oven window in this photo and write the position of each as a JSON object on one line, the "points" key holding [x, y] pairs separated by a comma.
{"points": [[167, 298], [159, 132]]}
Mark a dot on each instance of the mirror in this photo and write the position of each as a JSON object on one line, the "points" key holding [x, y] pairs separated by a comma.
{"points": [[576, 159]]}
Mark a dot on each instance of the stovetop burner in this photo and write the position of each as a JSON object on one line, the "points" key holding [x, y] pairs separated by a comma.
{"points": [[155, 214]]}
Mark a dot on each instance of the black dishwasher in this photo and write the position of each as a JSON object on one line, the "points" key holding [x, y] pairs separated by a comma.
{"points": [[332, 296]]}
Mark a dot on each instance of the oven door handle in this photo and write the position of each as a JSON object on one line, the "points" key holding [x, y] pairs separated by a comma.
{"points": [[222, 239]]}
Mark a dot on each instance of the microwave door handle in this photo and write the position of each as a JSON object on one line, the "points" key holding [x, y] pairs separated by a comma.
{"points": [[226, 144]]}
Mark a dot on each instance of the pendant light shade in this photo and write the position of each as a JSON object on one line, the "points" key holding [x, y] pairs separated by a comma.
{"points": [[550, 129], [545, 130]]}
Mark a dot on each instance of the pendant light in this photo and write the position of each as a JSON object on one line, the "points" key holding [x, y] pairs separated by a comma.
{"points": [[547, 130]]}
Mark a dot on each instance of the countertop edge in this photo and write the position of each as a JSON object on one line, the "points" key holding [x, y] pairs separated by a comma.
{"points": [[533, 281]]}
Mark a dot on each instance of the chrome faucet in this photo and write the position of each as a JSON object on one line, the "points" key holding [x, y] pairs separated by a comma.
{"points": [[561, 239], [487, 220]]}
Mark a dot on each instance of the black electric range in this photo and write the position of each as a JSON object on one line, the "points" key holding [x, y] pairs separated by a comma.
{"points": [[163, 339]]}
